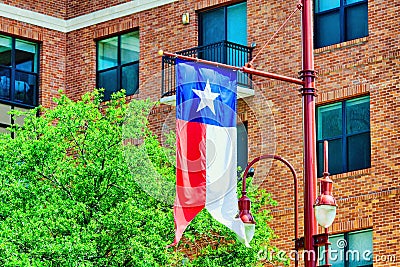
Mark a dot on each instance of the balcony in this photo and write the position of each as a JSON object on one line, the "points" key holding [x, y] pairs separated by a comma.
{"points": [[222, 52]]}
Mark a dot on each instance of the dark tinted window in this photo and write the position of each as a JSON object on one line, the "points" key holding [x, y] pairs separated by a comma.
{"points": [[118, 64], [338, 21], [228, 23], [346, 125], [18, 71]]}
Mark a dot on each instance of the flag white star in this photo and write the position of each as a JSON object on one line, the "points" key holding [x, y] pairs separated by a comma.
{"points": [[206, 98]]}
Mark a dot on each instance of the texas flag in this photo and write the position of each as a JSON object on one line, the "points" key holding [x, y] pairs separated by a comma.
{"points": [[206, 170]]}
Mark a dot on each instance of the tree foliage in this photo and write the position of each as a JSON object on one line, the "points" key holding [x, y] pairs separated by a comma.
{"points": [[69, 193]]}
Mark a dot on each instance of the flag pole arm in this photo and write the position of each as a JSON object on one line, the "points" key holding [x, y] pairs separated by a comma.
{"points": [[246, 69], [270, 75]]}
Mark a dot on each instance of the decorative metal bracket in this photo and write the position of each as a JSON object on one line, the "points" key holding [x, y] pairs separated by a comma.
{"points": [[319, 240]]}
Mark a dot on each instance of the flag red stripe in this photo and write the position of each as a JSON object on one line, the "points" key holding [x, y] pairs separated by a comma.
{"points": [[191, 154], [190, 173]]}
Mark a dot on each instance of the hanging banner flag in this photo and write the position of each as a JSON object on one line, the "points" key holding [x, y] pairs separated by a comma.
{"points": [[206, 169]]}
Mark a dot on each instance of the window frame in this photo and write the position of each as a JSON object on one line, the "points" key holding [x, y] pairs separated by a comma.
{"points": [[343, 137], [342, 15], [225, 10], [242, 129], [13, 70], [119, 67]]}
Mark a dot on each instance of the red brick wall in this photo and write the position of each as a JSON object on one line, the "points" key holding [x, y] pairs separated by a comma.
{"points": [[364, 66], [386, 229], [56, 9], [77, 8], [52, 66], [81, 62]]}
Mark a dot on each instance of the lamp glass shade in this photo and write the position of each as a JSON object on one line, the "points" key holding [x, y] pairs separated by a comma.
{"points": [[325, 215], [249, 229]]}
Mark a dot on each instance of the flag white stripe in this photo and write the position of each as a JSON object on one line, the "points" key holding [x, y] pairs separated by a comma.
{"points": [[221, 178]]}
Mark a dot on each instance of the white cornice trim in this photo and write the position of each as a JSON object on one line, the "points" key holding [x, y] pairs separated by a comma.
{"points": [[80, 22], [31, 17], [114, 12]]}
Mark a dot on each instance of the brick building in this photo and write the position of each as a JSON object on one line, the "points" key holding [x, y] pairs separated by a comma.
{"points": [[78, 45]]}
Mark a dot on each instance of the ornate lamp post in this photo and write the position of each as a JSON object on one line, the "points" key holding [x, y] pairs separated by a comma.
{"points": [[308, 91], [325, 210], [245, 203]]}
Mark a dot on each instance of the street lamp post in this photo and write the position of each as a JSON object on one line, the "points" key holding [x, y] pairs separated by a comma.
{"points": [[324, 205], [309, 139], [244, 202], [308, 91]]}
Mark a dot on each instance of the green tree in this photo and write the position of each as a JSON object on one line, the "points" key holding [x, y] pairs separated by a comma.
{"points": [[74, 191], [67, 196]]}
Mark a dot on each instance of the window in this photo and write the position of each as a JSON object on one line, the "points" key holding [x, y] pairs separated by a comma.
{"points": [[353, 249], [118, 64], [242, 145], [338, 21], [6, 120], [223, 24], [346, 126], [223, 37], [18, 71], [228, 23]]}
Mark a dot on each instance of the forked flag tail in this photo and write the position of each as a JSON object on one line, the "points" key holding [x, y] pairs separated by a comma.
{"points": [[206, 159]]}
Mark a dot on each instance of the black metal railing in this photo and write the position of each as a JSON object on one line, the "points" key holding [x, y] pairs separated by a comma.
{"points": [[222, 52]]}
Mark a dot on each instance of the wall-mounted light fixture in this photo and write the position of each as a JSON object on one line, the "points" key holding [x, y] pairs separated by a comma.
{"points": [[185, 18]]}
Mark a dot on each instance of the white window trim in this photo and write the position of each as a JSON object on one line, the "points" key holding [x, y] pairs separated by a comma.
{"points": [[80, 22]]}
